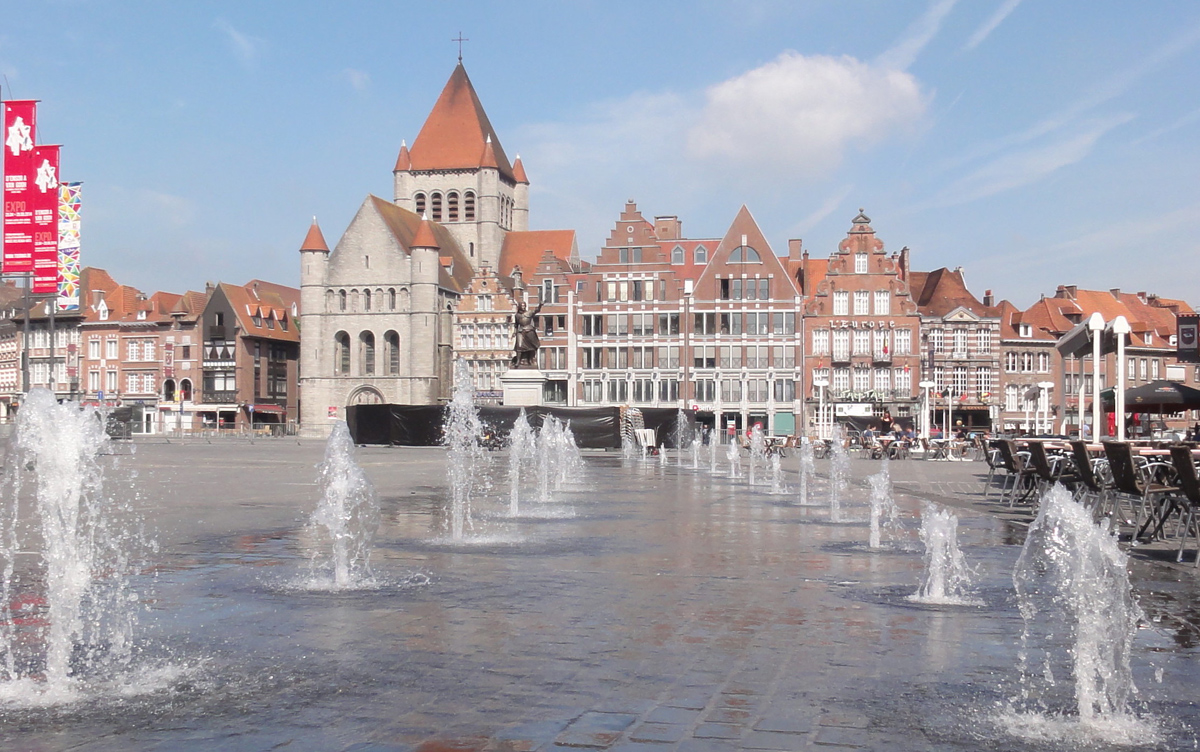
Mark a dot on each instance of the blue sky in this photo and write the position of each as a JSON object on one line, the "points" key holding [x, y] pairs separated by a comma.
{"points": [[1033, 143]]}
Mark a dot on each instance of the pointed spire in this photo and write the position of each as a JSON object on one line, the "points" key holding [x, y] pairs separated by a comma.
{"points": [[314, 240], [519, 171], [455, 133], [424, 237], [404, 161], [489, 155]]}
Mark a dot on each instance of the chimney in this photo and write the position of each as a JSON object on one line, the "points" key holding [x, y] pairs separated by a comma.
{"points": [[796, 248], [209, 288], [1142, 296], [988, 300], [668, 228], [1116, 292]]}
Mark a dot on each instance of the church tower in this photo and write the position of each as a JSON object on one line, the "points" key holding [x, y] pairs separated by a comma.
{"points": [[458, 175]]}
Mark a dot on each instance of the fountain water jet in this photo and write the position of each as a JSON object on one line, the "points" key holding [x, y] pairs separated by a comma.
{"points": [[734, 460], [1080, 620], [839, 473], [882, 503], [522, 445], [86, 551], [758, 451], [947, 576], [808, 469], [344, 523], [466, 460]]}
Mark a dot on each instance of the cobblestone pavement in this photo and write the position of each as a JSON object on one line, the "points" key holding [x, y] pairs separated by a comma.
{"points": [[649, 608]]}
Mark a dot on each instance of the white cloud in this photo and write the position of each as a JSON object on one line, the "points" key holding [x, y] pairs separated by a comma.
{"points": [[801, 113], [1026, 166], [359, 80], [916, 36], [244, 46], [832, 204], [997, 18]]}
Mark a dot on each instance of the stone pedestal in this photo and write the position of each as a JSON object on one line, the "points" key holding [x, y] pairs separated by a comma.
{"points": [[522, 387]]}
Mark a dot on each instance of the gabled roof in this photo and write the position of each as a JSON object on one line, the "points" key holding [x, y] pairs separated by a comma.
{"points": [[455, 135], [744, 230], [525, 249], [939, 292], [404, 224], [270, 303]]}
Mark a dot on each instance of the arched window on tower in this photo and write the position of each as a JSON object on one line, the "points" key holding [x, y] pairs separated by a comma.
{"points": [[366, 361], [341, 353], [420, 200], [469, 207], [435, 207], [391, 298], [452, 206], [391, 344], [341, 300], [366, 300]]}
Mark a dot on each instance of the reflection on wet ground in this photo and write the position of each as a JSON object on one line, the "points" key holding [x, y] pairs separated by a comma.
{"points": [[673, 610]]}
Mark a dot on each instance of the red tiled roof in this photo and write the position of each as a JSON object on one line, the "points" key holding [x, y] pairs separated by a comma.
{"points": [[404, 224], [939, 292], [525, 248], [314, 240], [456, 131], [424, 237], [519, 171], [268, 301]]}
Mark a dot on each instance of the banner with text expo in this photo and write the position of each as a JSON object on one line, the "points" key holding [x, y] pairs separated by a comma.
{"points": [[45, 220], [20, 134]]}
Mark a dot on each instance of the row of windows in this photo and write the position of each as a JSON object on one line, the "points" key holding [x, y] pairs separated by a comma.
{"points": [[863, 380], [699, 255], [436, 201], [862, 302], [364, 361], [703, 324], [1026, 362], [701, 390], [956, 344], [878, 342], [710, 356], [353, 300]]}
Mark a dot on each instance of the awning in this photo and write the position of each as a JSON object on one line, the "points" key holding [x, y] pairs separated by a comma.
{"points": [[275, 409]]}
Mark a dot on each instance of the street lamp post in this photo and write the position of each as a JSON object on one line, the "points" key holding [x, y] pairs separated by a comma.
{"points": [[1121, 328], [1096, 327], [1044, 405]]}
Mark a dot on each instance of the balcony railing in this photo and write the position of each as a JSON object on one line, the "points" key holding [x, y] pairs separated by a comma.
{"points": [[216, 398]]}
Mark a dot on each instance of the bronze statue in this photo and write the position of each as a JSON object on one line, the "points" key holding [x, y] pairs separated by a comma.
{"points": [[526, 346]]}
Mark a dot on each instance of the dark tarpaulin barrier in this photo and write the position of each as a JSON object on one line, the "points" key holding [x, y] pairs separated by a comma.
{"points": [[665, 421], [421, 425]]}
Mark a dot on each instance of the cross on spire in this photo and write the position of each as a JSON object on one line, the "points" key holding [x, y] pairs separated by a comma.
{"points": [[460, 39]]}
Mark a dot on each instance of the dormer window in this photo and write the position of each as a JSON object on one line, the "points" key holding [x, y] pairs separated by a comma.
{"points": [[677, 255], [102, 309], [1026, 330], [256, 319], [1150, 338], [141, 315], [700, 255]]}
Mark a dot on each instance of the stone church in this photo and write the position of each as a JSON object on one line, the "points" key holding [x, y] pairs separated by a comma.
{"points": [[377, 312]]}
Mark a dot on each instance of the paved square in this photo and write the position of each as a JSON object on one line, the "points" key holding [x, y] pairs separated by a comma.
{"points": [[651, 608]]}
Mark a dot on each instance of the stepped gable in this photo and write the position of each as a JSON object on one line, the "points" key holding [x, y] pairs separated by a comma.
{"points": [[525, 249], [404, 224], [455, 135]]}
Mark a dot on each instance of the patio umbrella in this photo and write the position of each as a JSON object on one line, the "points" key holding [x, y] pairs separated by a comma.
{"points": [[1156, 397]]}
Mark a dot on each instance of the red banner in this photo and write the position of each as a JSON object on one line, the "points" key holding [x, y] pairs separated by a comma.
{"points": [[45, 220], [20, 133]]}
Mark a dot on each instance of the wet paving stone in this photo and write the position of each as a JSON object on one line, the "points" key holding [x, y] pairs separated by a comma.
{"points": [[675, 715], [597, 730], [658, 732], [717, 731]]}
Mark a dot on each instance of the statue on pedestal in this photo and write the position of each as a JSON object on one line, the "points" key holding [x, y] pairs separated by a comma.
{"points": [[526, 346]]}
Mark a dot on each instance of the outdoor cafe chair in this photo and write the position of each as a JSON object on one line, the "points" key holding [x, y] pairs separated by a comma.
{"points": [[1091, 485], [995, 462], [1185, 468], [1047, 470], [1141, 481], [1020, 473]]}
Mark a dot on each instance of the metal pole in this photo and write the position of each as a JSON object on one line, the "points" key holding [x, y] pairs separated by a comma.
{"points": [[25, 348], [1096, 326]]}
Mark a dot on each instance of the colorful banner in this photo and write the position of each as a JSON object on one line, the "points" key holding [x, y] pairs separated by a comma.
{"points": [[20, 133], [69, 203], [45, 219]]}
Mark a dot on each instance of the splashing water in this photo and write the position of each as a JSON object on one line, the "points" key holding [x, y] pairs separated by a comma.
{"points": [[712, 453], [89, 619], [695, 452], [683, 432], [466, 460], [1080, 620], [758, 452], [662, 454], [734, 460], [344, 523], [839, 473], [522, 447], [947, 576], [883, 505], [777, 487], [808, 469]]}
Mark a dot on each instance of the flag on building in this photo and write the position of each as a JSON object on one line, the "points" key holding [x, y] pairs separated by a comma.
{"points": [[20, 132]]}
